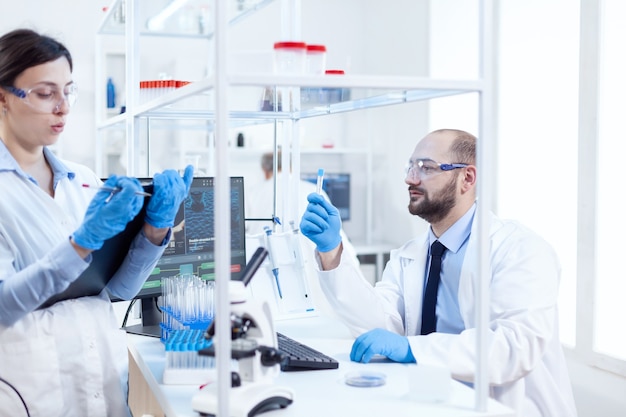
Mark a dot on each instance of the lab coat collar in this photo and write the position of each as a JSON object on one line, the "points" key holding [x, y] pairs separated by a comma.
{"points": [[452, 239], [458, 233], [59, 169], [7, 162], [414, 249]]}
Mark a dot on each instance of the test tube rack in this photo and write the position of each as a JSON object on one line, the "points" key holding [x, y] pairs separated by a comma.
{"points": [[187, 304]]}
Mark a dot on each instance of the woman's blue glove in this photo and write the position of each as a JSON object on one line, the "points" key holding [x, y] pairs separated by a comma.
{"points": [[170, 190], [381, 342], [321, 223], [108, 214]]}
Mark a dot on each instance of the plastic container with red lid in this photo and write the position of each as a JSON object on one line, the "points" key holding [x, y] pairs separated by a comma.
{"points": [[290, 57], [335, 95], [316, 59]]}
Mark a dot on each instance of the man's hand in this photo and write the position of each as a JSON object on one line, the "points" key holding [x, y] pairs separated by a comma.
{"points": [[321, 223], [381, 342]]}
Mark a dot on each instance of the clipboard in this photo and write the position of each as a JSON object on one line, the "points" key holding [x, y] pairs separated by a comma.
{"points": [[105, 261]]}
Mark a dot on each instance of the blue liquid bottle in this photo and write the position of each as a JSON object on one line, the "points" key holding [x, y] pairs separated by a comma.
{"points": [[110, 94]]}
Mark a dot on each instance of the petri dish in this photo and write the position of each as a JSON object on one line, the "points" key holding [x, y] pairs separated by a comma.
{"points": [[365, 379]]}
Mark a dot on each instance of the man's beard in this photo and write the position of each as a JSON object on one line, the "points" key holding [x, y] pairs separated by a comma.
{"points": [[435, 209]]}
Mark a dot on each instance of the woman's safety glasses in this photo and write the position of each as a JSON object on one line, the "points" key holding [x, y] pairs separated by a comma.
{"points": [[46, 98]]}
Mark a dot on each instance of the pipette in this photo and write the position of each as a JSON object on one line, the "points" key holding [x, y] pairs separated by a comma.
{"points": [[273, 260]]}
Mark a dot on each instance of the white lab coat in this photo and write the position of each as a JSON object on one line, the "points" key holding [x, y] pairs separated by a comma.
{"points": [[527, 369], [68, 360]]}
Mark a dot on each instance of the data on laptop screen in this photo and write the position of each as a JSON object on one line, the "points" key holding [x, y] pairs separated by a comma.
{"points": [[192, 247]]}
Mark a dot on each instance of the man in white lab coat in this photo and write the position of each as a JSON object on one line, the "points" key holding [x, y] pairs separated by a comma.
{"points": [[527, 369]]}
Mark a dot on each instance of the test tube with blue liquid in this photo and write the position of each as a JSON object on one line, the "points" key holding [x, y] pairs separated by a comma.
{"points": [[320, 180]]}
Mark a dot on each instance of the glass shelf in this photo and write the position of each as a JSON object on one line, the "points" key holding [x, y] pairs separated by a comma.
{"points": [[176, 18], [349, 93]]}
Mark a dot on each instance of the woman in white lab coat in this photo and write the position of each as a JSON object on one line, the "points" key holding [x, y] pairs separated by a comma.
{"points": [[69, 359], [527, 369]]}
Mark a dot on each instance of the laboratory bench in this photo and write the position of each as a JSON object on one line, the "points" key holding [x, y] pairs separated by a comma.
{"points": [[319, 392]]}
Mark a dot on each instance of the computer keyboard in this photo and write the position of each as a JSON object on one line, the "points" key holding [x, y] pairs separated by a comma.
{"points": [[302, 357]]}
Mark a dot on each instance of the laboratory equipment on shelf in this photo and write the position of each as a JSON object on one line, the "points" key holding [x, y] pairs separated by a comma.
{"points": [[255, 347], [316, 59]]}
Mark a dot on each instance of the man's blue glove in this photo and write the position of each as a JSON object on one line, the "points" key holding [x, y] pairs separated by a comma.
{"points": [[321, 223], [170, 190], [381, 342], [108, 214]]}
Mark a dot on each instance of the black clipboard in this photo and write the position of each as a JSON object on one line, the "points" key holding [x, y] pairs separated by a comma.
{"points": [[105, 261]]}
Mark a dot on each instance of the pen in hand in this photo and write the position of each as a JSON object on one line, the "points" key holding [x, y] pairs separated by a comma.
{"points": [[114, 190]]}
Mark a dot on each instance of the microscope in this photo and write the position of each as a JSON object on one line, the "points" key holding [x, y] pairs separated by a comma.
{"points": [[254, 346]]}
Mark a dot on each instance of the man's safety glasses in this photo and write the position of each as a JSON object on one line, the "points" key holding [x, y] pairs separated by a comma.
{"points": [[425, 168], [45, 98]]}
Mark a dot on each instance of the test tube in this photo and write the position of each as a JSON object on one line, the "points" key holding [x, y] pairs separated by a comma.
{"points": [[320, 180]]}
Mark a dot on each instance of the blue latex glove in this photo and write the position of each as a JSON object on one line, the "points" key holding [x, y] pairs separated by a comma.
{"points": [[108, 214], [321, 223], [170, 190], [381, 342]]}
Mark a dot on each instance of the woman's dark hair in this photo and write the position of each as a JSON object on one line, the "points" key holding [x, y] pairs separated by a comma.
{"points": [[23, 48]]}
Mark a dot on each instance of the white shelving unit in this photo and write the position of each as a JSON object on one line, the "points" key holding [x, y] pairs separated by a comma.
{"points": [[216, 91]]}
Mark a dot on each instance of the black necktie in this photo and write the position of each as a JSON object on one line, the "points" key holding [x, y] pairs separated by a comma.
{"points": [[429, 320]]}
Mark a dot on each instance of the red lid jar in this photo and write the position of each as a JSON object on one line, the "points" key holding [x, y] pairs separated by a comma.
{"points": [[290, 57]]}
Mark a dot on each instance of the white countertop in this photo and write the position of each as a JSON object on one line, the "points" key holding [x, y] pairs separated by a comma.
{"points": [[322, 392]]}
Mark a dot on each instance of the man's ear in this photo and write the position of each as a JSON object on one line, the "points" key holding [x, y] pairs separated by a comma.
{"points": [[469, 178]]}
